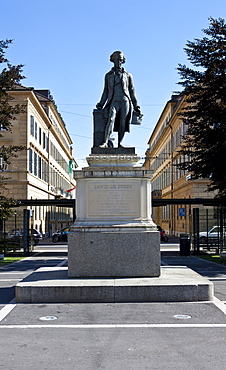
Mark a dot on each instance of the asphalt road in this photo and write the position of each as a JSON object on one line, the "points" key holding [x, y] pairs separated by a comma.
{"points": [[112, 336]]}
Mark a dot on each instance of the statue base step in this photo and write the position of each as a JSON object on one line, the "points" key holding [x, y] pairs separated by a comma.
{"points": [[176, 284]]}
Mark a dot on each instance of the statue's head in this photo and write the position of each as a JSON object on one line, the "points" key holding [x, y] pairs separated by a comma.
{"points": [[116, 56]]}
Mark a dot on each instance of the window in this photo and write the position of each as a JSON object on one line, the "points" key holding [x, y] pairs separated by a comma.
{"points": [[47, 144], [45, 174], [2, 128], [3, 164], [30, 160], [32, 125], [44, 140], [39, 167], [35, 164], [36, 130], [40, 136], [43, 164], [166, 211]]}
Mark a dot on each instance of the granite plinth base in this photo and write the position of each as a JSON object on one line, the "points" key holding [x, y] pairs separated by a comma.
{"points": [[176, 284], [97, 254]]}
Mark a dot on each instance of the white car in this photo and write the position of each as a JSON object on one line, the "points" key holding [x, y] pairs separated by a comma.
{"points": [[212, 235]]}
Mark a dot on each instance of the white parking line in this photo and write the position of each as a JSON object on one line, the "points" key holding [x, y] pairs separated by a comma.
{"points": [[213, 271], [220, 304], [113, 326], [164, 263], [6, 310], [9, 280], [61, 263], [15, 272]]}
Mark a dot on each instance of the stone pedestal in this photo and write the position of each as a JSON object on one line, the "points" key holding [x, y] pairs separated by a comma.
{"points": [[113, 235], [114, 254]]}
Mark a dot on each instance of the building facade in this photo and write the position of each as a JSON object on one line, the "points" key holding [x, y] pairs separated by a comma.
{"points": [[45, 169], [168, 180]]}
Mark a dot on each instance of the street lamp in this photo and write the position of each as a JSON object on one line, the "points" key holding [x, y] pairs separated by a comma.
{"points": [[15, 214]]}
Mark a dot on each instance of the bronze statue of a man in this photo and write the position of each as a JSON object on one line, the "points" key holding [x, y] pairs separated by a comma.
{"points": [[118, 94]]}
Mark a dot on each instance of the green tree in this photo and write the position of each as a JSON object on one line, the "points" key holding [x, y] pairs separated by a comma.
{"points": [[10, 76], [205, 112]]}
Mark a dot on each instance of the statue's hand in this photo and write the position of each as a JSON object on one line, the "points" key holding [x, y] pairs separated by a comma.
{"points": [[99, 106], [137, 109]]}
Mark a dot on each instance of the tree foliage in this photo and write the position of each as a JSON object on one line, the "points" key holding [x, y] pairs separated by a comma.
{"points": [[5, 207], [10, 76], [205, 112]]}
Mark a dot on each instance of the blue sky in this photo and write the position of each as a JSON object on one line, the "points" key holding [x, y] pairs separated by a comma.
{"points": [[65, 47]]}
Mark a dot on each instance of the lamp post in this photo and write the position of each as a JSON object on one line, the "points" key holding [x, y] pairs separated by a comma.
{"points": [[15, 214], [4, 240]]}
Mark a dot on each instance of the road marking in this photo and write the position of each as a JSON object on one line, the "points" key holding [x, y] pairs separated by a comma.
{"points": [[9, 280], [219, 304], [15, 272], [6, 310], [113, 326], [210, 271], [61, 263], [164, 263], [214, 263]]}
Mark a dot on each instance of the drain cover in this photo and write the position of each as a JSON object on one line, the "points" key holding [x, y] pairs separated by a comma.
{"points": [[46, 318], [182, 317]]}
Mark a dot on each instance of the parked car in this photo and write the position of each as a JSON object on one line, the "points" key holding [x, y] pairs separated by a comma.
{"points": [[16, 236], [211, 235], [37, 236], [61, 235]]}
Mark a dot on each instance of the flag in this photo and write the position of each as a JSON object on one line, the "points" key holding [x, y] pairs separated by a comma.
{"points": [[68, 191]]}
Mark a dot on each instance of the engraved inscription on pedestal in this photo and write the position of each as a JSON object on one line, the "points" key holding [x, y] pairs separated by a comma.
{"points": [[113, 199]]}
